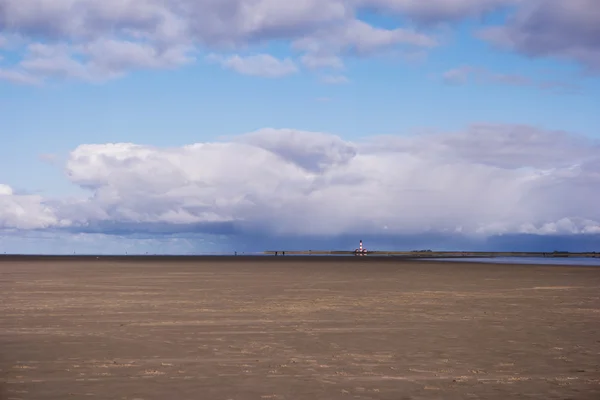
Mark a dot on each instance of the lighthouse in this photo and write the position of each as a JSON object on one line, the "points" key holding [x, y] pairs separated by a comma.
{"points": [[360, 251]]}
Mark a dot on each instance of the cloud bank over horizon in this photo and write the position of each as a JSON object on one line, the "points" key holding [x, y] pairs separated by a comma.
{"points": [[484, 181]]}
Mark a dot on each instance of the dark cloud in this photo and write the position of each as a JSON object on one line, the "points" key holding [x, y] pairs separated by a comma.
{"points": [[310, 150], [561, 29], [64, 242]]}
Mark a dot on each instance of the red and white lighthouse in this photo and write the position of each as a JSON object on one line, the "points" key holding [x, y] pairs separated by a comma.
{"points": [[360, 251]]}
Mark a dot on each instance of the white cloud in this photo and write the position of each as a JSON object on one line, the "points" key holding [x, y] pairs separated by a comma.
{"points": [[316, 61], [95, 41], [264, 65], [334, 79], [563, 226], [19, 77], [354, 37], [5, 190], [485, 180], [24, 211], [98, 60], [116, 56], [458, 76]]}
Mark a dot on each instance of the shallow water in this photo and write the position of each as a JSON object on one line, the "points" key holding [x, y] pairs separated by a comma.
{"points": [[530, 260]]}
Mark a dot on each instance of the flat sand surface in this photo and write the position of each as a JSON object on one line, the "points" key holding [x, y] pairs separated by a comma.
{"points": [[285, 328]]}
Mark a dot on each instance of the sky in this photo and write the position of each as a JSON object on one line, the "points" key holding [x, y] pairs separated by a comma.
{"points": [[205, 126]]}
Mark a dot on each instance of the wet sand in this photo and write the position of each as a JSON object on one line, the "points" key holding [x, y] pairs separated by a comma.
{"points": [[286, 328]]}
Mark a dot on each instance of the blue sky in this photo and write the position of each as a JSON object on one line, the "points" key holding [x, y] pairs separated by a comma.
{"points": [[302, 99]]}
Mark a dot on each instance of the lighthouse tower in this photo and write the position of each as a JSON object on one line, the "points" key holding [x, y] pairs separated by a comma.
{"points": [[361, 251]]}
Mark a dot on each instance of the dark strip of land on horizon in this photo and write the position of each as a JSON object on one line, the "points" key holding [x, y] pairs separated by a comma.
{"points": [[437, 254]]}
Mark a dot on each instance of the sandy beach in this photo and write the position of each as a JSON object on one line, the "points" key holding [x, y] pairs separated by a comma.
{"points": [[287, 328]]}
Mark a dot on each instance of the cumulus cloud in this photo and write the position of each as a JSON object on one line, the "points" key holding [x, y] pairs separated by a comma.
{"points": [[313, 151], [24, 211], [264, 65], [99, 60], [92, 40], [356, 38], [5, 190], [485, 180], [19, 77], [99, 40], [553, 28]]}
